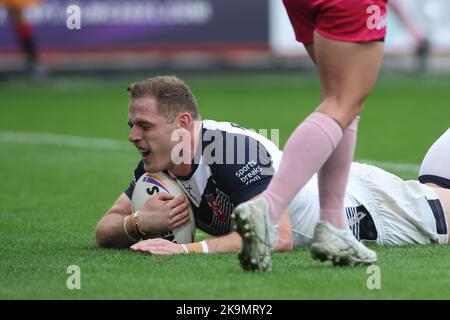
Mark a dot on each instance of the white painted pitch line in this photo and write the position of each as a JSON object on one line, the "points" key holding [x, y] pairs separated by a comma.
{"points": [[394, 166], [63, 140], [112, 144]]}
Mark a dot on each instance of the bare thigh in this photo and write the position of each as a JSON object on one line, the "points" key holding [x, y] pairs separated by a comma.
{"points": [[348, 72]]}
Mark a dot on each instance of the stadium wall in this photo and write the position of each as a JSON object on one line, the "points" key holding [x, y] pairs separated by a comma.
{"points": [[191, 33]]}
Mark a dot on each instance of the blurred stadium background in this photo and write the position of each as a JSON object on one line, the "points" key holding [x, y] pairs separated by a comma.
{"points": [[199, 34], [62, 126]]}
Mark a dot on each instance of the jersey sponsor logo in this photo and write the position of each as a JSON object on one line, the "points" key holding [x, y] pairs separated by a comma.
{"points": [[249, 173]]}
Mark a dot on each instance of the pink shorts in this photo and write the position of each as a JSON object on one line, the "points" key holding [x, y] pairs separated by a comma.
{"points": [[341, 20]]}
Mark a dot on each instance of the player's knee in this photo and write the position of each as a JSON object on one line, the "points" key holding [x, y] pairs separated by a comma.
{"points": [[353, 107], [359, 109], [344, 112]]}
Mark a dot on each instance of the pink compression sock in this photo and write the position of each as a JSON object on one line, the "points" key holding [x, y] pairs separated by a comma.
{"points": [[306, 151], [333, 178]]}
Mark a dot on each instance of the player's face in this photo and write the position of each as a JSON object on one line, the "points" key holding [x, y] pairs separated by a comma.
{"points": [[151, 133]]}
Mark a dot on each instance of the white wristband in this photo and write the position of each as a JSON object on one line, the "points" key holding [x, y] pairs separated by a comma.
{"points": [[184, 248], [204, 246]]}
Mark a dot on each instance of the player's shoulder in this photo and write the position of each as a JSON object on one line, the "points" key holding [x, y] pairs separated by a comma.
{"points": [[231, 137], [224, 126], [223, 133], [232, 130]]}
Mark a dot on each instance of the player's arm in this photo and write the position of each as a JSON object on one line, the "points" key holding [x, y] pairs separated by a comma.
{"points": [[110, 232], [233, 242], [224, 244], [161, 213]]}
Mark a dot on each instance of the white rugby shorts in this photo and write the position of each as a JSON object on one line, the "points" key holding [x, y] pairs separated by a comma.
{"points": [[404, 212], [380, 207]]}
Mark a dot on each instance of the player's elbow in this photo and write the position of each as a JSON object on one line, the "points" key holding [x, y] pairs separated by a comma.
{"points": [[101, 240], [103, 236]]}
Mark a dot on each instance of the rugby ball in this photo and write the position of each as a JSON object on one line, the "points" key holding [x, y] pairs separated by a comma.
{"points": [[148, 185]]}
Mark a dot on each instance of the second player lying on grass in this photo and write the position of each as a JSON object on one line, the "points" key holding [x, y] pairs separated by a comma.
{"points": [[380, 207]]}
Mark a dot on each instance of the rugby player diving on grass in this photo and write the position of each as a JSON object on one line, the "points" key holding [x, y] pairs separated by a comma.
{"points": [[380, 207]]}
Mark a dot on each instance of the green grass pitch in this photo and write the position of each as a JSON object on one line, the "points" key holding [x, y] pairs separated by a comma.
{"points": [[54, 192]]}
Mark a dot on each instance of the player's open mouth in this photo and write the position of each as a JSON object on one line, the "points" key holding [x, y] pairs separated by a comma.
{"points": [[145, 153]]}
